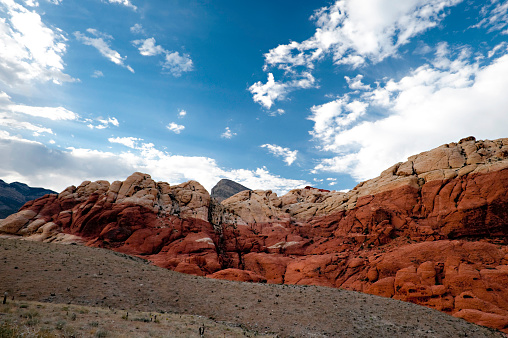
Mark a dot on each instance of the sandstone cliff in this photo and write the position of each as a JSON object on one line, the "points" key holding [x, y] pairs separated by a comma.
{"points": [[432, 230]]}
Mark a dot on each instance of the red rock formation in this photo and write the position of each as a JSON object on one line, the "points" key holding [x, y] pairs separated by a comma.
{"points": [[432, 230]]}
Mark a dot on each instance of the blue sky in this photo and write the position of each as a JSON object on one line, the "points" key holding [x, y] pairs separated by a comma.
{"points": [[272, 95]]}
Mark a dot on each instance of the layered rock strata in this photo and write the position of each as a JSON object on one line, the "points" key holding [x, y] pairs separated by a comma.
{"points": [[432, 230]]}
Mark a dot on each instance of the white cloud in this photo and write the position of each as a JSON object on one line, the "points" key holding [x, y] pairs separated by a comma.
{"points": [[148, 47], [333, 117], [495, 17], [20, 117], [57, 169], [352, 32], [101, 42], [103, 123], [287, 154], [228, 134], [434, 104], [356, 83], [126, 3], [130, 142], [177, 64], [7, 121], [30, 51], [176, 128], [137, 29], [52, 113], [182, 113], [97, 74], [267, 93]]}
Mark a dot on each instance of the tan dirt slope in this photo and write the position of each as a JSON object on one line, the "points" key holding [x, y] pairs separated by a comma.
{"points": [[92, 276]]}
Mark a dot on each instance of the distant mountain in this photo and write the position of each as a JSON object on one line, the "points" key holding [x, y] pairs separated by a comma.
{"points": [[14, 195], [226, 188]]}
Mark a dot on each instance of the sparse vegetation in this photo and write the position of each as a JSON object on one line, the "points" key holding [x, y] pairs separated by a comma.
{"points": [[45, 320]]}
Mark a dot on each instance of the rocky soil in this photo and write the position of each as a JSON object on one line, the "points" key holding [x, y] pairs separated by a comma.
{"points": [[78, 275], [432, 230]]}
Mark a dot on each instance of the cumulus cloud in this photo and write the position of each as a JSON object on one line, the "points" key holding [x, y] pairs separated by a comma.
{"points": [[267, 93], [174, 63], [182, 113], [176, 128], [356, 83], [57, 169], [177, 64], [101, 42], [440, 102], [287, 154], [148, 47], [137, 29], [228, 134], [30, 51], [352, 32]]}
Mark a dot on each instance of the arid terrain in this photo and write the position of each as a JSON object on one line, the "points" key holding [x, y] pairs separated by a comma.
{"points": [[76, 276], [431, 231]]}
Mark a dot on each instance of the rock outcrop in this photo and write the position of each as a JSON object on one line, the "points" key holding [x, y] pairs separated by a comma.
{"points": [[226, 188], [14, 195], [432, 230]]}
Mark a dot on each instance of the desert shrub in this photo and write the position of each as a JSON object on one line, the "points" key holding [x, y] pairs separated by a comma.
{"points": [[59, 325], [101, 333], [7, 330]]}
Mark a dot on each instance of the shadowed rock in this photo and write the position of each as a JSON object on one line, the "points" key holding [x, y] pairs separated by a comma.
{"points": [[226, 188], [14, 195]]}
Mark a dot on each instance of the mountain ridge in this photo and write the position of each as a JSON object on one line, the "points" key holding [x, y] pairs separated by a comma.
{"points": [[14, 195]]}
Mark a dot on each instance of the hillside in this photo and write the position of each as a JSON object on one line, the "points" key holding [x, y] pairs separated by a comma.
{"points": [[14, 195], [432, 230], [77, 275]]}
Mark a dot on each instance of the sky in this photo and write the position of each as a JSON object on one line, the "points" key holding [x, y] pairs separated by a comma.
{"points": [[271, 94]]}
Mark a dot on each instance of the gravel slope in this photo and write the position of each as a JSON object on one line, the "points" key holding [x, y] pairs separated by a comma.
{"points": [[90, 276]]}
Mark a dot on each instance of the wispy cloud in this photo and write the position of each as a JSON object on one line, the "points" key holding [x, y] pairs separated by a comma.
{"points": [[174, 62], [96, 74], [30, 50], [495, 17], [20, 117], [129, 142], [288, 155], [137, 29], [126, 3], [176, 128], [228, 134], [101, 42], [102, 123]]}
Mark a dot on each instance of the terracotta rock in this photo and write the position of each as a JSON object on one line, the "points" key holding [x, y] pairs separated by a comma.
{"points": [[238, 275], [431, 230]]}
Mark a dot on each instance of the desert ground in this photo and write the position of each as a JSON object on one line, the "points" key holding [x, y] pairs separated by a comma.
{"points": [[91, 289]]}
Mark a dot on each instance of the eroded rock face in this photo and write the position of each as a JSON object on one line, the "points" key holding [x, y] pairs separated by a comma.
{"points": [[432, 230]]}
